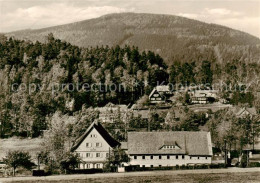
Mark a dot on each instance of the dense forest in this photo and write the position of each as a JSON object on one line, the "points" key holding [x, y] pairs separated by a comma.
{"points": [[118, 74]]}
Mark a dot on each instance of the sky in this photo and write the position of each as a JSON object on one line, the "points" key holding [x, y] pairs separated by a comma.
{"points": [[15, 15]]}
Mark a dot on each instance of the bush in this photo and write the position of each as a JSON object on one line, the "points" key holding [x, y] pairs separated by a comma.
{"points": [[86, 171], [254, 164], [38, 173], [137, 168], [177, 167], [183, 167], [243, 162], [220, 165]]}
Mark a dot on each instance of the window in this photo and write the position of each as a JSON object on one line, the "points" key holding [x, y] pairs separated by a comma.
{"points": [[170, 147], [135, 157], [98, 144], [93, 135], [107, 155], [151, 166], [98, 165], [143, 166], [206, 157], [160, 165], [88, 166], [177, 157], [143, 157], [168, 156], [88, 155], [88, 144], [151, 157], [98, 155], [160, 157], [198, 157], [182, 156], [190, 157]]}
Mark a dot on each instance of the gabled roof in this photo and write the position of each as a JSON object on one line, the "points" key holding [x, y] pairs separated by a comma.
{"points": [[190, 143], [240, 111], [101, 130], [154, 91], [160, 89]]}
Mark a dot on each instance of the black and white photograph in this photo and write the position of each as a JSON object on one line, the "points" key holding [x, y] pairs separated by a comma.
{"points": [[130, 91]]}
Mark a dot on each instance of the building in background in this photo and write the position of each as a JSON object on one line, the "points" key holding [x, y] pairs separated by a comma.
{"points": [[160, 94], [111, 112], [203, 96]]}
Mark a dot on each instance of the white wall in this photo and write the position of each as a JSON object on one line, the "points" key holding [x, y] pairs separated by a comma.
{"points": [[168, 162]]}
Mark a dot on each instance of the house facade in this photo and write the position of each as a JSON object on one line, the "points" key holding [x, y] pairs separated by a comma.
{"points": [[160, 94], [202, 96], [162, 149], [94, 147]]}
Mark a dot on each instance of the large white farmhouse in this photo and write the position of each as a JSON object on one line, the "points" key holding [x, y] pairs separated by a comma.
{"points": [[156, 149], [94, 146]]}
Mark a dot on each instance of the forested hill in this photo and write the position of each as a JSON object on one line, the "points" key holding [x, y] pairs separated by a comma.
{"points": [[174, 38], [38, 79]]}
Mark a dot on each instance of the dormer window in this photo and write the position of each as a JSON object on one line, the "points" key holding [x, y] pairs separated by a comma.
{"points": [[170, 147]]}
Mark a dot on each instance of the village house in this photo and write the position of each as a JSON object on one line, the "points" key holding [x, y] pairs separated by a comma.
{"points": [[110, 112], [245, 111], [160, 94], [162, 149], [202, 96], [94, 147]]}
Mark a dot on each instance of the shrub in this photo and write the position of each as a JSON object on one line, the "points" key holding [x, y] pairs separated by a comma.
{"points": [[254, 164]]}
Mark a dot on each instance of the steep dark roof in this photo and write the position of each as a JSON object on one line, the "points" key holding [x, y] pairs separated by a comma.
{"points": [[101, 130], [191, 143]]}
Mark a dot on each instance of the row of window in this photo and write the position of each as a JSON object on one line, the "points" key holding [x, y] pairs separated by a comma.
{"points": [[156, 98], [170, 147], [88, 165], [91, 155], [168, 157], [98, 144]]}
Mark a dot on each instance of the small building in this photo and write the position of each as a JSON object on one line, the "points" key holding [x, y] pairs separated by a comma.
{"points": [[110, 112], [143, 114], [160, 94], [202, 96], [94, 147], [245, 111], [162, 149]]}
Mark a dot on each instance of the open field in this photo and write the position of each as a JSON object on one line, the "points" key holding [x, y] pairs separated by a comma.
{"points": [[251, 175], [11, 144]]}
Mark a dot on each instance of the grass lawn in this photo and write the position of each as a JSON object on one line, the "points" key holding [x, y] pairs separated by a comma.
{"points": [[201, 178], [31, 145]]}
